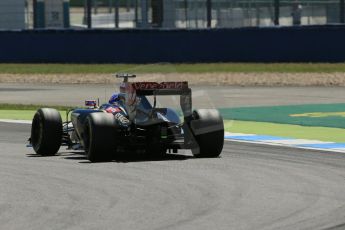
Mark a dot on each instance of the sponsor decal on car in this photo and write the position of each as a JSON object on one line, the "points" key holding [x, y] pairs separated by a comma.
{"points": [[91, 103], [113, 110], [162, 85]]}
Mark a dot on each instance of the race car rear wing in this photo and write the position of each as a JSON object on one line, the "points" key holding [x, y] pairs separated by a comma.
{"points": [[125, 76], [134, 89], [163, 88]]}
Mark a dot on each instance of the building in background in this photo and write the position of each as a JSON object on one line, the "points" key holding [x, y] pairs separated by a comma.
{"points": [[51, 13], [186, 14], [12, 14]]}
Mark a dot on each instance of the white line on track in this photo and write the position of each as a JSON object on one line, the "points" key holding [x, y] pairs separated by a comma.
{"points": [[15, 121], [338, 150]]}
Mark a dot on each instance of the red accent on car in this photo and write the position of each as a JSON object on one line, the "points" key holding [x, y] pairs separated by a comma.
{"points": [[112, 110]]}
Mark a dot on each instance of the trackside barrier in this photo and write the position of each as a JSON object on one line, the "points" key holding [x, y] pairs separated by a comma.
{"points": [[268, 44]]}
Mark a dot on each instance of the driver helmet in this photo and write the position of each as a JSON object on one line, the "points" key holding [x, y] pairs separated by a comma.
{"points": [[117, 98]]}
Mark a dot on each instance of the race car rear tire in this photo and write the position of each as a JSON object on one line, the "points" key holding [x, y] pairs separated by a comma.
{"points": [[99, 137], [46, 132], [208, 131]]}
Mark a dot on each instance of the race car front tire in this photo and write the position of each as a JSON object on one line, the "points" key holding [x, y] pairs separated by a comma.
{"points": [[46, 132], [208, 130], [99, 137]]}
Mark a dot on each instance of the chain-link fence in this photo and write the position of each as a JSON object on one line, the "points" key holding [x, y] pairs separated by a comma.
{"points": [[29, 14]]}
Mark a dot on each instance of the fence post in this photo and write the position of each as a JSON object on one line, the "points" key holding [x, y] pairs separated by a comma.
{"points": [[144, 14], [116, 13], [88, 13], [136, 13], [66, 13], [209, 13], [342, 11], [39, 17], [157, 12], [185, 5], [276, 12]]}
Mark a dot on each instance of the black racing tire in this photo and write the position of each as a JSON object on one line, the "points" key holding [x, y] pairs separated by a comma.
{"points": [[46, 132], [100, 137], [208, 132]]}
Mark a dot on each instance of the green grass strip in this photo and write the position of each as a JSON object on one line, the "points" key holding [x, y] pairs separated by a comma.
{"points": [[261, 128], [320, 115], [4, 106], [285, 130], [23, 114], [173, 68], [235, 126]]}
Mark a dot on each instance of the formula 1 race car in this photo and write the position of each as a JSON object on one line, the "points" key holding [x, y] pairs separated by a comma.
{"points": [[151, 130]]}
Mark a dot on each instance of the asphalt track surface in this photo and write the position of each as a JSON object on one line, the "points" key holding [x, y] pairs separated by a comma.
{"points": [[248, 187]]}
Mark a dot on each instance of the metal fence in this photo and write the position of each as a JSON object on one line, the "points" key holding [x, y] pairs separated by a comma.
{"points": [[31, 14]]}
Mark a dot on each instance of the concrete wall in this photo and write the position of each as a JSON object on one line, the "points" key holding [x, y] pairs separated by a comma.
{"points": [[268, 44]]}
